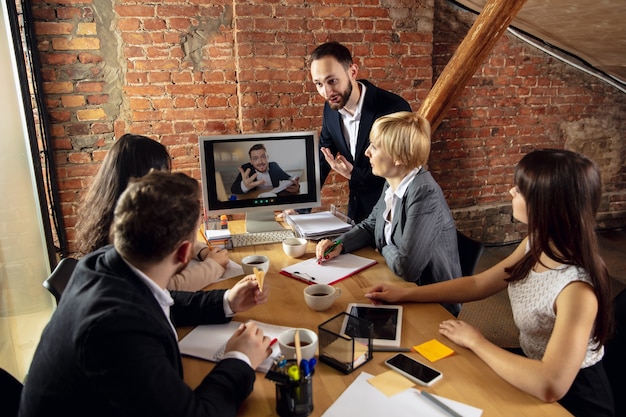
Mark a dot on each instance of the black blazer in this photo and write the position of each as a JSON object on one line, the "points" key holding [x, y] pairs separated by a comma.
{"points": [[365, 187], [109, 350], [276, 174]]}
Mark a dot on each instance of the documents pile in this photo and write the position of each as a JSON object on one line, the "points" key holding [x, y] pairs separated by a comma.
{"points": [[216, 233], [316, 226]]}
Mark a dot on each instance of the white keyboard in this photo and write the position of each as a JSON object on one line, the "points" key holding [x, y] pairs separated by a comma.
{"points": [[259, 238]]}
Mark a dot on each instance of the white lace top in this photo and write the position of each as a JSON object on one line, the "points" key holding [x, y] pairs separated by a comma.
{"points": [[533, 299]]}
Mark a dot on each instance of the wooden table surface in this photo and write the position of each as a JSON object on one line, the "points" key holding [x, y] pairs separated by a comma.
{"points": [[466, 378]]}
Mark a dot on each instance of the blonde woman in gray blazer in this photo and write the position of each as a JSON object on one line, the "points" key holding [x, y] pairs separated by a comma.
{"points": [[411, 224]]}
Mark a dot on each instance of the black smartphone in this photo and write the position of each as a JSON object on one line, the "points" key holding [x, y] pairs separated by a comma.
{"points": [[414, 370]]}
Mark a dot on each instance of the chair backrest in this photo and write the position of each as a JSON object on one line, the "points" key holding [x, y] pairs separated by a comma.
{"points": [[11, 390], [57, 281], [469, 253]]}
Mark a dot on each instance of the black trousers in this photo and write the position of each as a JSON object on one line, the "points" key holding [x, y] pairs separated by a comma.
{"points": [[590, 394]]}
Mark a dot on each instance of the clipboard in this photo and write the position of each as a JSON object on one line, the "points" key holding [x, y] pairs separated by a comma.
{"points": [[329, 272]]}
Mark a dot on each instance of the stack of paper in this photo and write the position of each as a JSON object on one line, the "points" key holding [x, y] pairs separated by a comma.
{"points": [[317, 225], [219, 238]]}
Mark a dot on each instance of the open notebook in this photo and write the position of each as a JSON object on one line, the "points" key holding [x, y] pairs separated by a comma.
{"points": [[209, 341]]}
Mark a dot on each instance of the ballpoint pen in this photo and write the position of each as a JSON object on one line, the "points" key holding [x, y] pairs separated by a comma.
{"points": [[305, 368], [439, 404], [304, 277]]}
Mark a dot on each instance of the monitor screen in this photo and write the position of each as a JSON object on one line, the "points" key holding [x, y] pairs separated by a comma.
{"points": [[286, 166]]}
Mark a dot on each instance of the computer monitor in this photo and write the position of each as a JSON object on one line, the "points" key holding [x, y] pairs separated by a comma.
{"points": [[289, 156]]}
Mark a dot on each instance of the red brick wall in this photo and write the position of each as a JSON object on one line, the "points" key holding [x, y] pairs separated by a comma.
{"points": [[520, 99], [176, 70]]}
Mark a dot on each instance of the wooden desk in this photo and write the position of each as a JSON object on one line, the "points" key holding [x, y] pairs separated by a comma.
{"points": [[466, 378]]}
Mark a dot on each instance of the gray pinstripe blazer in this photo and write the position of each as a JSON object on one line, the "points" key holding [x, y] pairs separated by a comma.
{"points": [[424, 248]]}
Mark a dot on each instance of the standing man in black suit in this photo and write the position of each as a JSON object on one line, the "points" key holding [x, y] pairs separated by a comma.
{"points": [[350, 110], [110, 348]]}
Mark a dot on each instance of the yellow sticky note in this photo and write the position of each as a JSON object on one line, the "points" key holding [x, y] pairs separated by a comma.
{"points": [[390, 383], [433, 350]]}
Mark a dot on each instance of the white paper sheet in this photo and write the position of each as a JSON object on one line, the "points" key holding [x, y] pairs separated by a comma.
{"points": [[282, 185], [330, 271], [233, 269], [217, 234], [364, 400]]}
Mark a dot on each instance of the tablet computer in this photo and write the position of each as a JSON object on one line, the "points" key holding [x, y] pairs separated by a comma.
{"points": [[387, 321]]}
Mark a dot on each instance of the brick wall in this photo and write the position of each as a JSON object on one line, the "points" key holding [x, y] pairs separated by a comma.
{"points": [[173, 71], [176, 70], [520, 99]]}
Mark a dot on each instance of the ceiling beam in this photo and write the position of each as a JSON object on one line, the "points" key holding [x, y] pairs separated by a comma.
{"points": [[469, 56]]}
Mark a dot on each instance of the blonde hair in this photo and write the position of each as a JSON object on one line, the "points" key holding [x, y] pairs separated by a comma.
{"points": [[404, 136]]}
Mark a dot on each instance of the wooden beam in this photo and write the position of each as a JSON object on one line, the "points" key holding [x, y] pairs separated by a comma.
{"points": [[482, 36]]}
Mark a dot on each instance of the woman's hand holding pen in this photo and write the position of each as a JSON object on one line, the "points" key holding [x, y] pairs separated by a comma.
{"points": [[327, 249]]}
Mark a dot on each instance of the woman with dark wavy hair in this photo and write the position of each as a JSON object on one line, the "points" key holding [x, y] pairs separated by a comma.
{"points": [[133, 156], [557, 284]]}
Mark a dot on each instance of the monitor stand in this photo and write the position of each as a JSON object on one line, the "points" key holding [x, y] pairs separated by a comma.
{"points": [[262, 221]]}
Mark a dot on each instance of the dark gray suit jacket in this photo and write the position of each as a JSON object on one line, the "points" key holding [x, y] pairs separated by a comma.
{"points": [[424, 248], [364, 186], [110, 351]]}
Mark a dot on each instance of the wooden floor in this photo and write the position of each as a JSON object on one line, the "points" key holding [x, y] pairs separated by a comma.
{"points": [[493, 315]]}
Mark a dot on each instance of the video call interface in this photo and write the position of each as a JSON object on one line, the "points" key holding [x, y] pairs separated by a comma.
{"points": [[293, 156]]}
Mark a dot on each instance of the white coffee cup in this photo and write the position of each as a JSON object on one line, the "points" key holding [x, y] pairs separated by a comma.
{"points": [[308, 343], [294, 247], [261, 262], [321, 296]]}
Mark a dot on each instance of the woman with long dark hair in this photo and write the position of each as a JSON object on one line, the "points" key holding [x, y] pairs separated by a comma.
{"points": [[557, 283], [133, 156]]}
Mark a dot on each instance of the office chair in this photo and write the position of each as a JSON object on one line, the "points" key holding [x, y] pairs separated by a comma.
{"points": [[11, 390], [614, 361], [469, 253], [58, 279]]}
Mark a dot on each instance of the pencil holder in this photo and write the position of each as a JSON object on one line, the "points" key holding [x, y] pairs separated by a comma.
{"points": [[294, 388], [340, 350]]}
